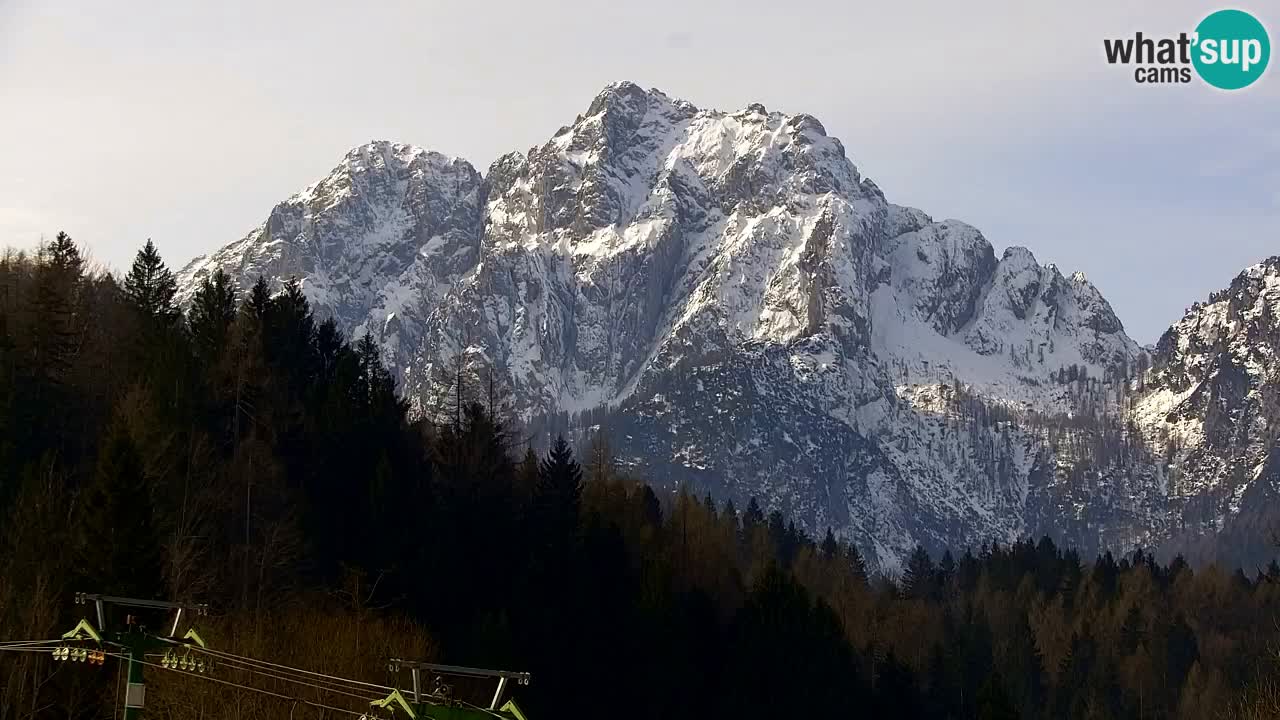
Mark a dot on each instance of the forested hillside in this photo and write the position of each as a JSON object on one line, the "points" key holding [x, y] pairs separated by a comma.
{"points": [[246, 455]]}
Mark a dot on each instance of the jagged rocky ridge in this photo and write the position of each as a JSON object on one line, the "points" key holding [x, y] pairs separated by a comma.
{"points": [[727, 298]]}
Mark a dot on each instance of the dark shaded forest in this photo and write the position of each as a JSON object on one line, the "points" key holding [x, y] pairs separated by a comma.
{"points": [[244, 454]]}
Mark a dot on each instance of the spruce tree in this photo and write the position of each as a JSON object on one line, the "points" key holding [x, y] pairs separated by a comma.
{"points": [[946, 570], [379, 386], [289, 338], [55, 321], [917, 578], [329, 347], [557, 498], [732, 524], [829, 545], [753, 516], [777, 528], [258, 304], [64, 256], [44, 339], [857, 566], [709, 504], [151, 287], [213, 309], [650, 507]]}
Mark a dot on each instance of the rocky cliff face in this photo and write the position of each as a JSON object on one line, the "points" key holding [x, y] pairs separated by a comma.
{"points": [[376, 244], [1211, 402], [741, 311]]}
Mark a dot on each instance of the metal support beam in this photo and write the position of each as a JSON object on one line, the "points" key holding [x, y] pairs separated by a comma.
{"points": [[458, 670], [135, 694], [82, 598], [134, 642], [502, 684], [419, 670]]}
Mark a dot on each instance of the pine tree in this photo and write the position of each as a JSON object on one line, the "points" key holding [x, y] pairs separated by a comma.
{"points": [[1106, 574], [258, 304], [917, 577], [151, 287], [557, 498], [64, 255], [753, 517], [55, 327], [289, 337], [213, 309], [378, 384], [946, 570], [650, 507], [857, 566], [329, 348], [778, 536], [709, 504], [732, 523]]}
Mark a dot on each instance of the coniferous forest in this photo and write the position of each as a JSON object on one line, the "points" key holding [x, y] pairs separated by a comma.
{"points": [[243, 453]]}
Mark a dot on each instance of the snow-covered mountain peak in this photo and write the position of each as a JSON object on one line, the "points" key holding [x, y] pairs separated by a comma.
{"points": [[627, 99], [726, 295], [374, 243]]}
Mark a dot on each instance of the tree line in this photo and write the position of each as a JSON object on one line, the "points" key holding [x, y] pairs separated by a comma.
{"points": [[243, 453]]}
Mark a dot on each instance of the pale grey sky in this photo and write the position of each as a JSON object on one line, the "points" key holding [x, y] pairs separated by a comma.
{"points": [[187, 121]]}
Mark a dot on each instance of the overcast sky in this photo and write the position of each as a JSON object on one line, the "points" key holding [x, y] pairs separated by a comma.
{"points": [[186, 122]]}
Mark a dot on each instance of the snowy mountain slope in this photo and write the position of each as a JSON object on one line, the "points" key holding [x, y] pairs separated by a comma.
{"points": [[375, 244], [728, 298], [649, 226], [1211, 402]]}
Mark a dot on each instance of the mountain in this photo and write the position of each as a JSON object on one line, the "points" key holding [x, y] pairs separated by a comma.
{"points": [[377, 243], [1210, 411], [739, 310]]}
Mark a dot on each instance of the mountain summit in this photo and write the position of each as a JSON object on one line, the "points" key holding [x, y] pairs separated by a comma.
{"points": [[741, 311]]}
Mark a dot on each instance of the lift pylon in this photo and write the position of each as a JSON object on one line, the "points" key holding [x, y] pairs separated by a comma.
{"points": [[133, 639], [438, 702]]}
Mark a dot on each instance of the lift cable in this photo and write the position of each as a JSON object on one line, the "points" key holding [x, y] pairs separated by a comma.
{"points": [[276, 667], [248, 688], [137, 647], [367, 695], [11, 643]]}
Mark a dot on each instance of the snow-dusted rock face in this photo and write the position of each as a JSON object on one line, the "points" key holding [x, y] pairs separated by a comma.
{"points": [[376, 244], [650, 233], [728, 298], [1210, 407]]}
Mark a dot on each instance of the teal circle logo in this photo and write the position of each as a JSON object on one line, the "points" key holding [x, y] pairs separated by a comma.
{"points": [[1232, 49]]}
